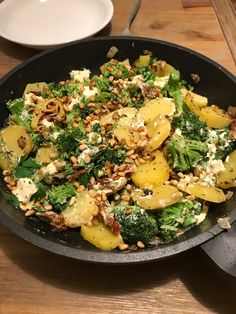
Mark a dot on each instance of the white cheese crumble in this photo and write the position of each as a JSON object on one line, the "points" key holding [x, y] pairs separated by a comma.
{"points": [[74, 101], [28, 101], [209, 171], [80, 76], [47, 123], [94, 138], [91, 151], [25, 188], [89, 92], [178, 131], [137, 82], [161, 81]]}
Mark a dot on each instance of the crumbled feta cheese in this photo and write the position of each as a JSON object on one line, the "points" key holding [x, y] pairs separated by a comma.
{"points": [[25, 188], [161, 81], [94, 138], [74, 101], [80, 76], [28, 99], [56, 134], [91, 151], [209, 171], [47, 123], [178, 131], [137, 81], [51, 168], [89, 92]]}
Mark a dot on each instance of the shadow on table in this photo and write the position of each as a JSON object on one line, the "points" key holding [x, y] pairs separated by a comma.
{"points": [[207, 284]]}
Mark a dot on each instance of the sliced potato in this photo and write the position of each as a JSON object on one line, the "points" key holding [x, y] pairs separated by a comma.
{"points": [[162, 196], [122, 116], [44, 154], [15, 143], [154, 172], [215, 117], [35, 87], [143, 61], [7, 160], [207, 193], [122, 133], [17, 140], [101, 236], [163, 68], [81, 212], [158, 131], [194, 101], [227, 178], [155, 107]]}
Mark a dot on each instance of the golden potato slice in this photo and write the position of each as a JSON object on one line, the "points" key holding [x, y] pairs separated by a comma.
{"points": [[122, 116], [101, 236], [143, 61], [154, 172], [194, 101], [158, 131], [17, 140], [7, 161], [81, 212], [155, 107], [35, 87], [122, 133], [162, 196], [215, 117], [45, 154], [207, 193], [163, 68], [227, 178]]}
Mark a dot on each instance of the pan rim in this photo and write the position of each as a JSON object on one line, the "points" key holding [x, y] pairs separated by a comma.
{"points": [[158, 252]]}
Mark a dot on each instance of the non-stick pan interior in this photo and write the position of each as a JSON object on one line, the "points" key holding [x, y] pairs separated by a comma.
{"points": [[215, 83]]}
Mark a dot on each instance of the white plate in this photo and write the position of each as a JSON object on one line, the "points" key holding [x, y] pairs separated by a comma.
{"points": [[46, 23]]}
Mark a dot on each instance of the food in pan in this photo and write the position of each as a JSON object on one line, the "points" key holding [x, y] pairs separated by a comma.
{"points": [[130, 157]]}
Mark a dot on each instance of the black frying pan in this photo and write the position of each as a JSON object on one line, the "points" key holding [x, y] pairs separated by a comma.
{"points": [[54, 65]]}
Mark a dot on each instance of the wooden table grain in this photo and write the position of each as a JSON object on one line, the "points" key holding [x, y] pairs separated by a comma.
{"points": [[33, 281]]}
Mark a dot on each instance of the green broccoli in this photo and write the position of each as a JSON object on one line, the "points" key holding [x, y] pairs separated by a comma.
{"points": [[191, 126], [68, 141], [172, 89], [182, 153], [15, 106], [136, 224], [59, 195], [176, 217], [224, 143], [102, 83]]}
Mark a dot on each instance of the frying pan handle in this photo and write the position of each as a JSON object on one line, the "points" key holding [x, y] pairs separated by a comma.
{"points": [[222, 250]]}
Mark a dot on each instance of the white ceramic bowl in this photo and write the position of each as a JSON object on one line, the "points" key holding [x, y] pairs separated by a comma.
{"points": [[46, 23]]}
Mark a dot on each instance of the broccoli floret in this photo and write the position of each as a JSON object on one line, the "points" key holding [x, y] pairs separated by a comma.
{"points": [[182, 153], [102, 83], [191, 126], [176, 217], [136, 224], [224, 143], [68, 141], [59, 195], [15, 106], [172, 89]]}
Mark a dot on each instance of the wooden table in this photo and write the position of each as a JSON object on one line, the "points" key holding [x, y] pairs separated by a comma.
{"points": [[35, 281]]}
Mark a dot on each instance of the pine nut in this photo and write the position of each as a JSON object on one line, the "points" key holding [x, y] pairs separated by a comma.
{"points": [[140, 244]]}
